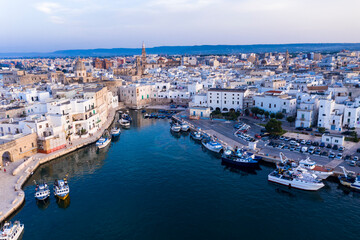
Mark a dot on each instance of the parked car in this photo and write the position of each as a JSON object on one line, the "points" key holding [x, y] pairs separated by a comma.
{"points": [[292, 148], [286, 138], [317, 152], [303, 142], [329, 146], [258, 136], [308, 142], [322, 144], [263, 130], [298, 149], [339, 156], [358, 150], [315, 144], [292, 142], [309, 129], [356, 158], [347, 157], [304, 149], [286, 147], [341, 148], [281, 137], [311, 150], [332, 155], [324, 153], [335, 147]]}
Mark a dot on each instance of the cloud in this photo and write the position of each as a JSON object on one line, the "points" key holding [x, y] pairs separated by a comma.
{"points": [[57, 19], [48, 7]]}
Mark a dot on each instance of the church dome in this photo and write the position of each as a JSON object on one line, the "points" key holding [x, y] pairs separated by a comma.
{"points": [[79, 65]]}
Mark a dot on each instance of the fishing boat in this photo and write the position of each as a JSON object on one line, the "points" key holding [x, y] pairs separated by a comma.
{"points": [[212, 145], [356, 184], [115, 132], [239, 158], [12, 231], [348, 178], [184, 127], [124, 123], [320, 171], [103, 142], [296, 179], [147, 115], [61, 188], [143, 111], [175, 127], [196, 136], [42, 192], [126, 116]]}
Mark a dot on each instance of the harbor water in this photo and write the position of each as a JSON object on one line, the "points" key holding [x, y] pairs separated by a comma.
{"points": [[153, 184]]}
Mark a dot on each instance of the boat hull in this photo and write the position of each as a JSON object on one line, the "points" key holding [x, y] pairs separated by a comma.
{"points": [[210, 148], [296, 184], [250, 164], [62, 197], [195, 137]]}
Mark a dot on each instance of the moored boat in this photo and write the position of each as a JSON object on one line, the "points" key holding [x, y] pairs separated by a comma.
{"points": [[103, 142], [175, 127], [238, 158], [296, 179], [320, 171], [348, 178], [196, 136], [61, 188], [124, 123], [126, 117], [356, 184], [184, 127], [212, 145], [146, 115], [12, 231], [42, 192], [115, 132]]}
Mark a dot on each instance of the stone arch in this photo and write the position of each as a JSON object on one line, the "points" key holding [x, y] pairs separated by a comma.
{"points": [[217, 109], [225, 109], [232, 110], [6, 158], [211, 108]]}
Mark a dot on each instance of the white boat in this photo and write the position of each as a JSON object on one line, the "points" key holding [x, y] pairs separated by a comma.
{"points": [[318, 170], [176, 128], [124, 123], [348, 178], [103, 142], [61, 189], [295, 179], [115, 132], [42, 191], [11, 231], [184, 127], [356, 184], [213, 146]]}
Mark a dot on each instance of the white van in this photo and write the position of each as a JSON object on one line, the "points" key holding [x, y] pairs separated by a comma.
{"points": [[304, 149]]}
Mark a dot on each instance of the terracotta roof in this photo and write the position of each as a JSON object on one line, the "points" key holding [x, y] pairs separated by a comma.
{"points": [[318, 88]]}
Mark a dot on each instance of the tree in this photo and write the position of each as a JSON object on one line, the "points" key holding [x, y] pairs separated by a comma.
{"points": [[255, 110], [266, 113], [273, 126], [356, 139], [261, 111], [279, 115], [247, 112], [272, 115], [290, 119], [321, 129]]}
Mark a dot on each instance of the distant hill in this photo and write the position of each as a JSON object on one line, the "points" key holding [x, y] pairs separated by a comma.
{"points": [[195, 50]]}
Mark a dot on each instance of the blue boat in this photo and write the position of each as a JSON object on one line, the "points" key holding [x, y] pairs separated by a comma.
{"points": [[42, 192], [115, 132], [239, 158], [196, 136], [212, 145], [126, 117], [143, 111]]}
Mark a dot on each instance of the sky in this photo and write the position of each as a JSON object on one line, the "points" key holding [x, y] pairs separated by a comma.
{"points": [[44, 26]]}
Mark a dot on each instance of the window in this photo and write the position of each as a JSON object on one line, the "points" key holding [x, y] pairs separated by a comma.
{"points": [[336, 141], [269, 105], [20, 149]]}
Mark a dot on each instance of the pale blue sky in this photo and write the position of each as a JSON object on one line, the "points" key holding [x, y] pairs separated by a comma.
{"points": [[29, 25]]}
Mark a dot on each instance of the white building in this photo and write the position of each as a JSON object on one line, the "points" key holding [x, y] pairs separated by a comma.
{"points": [[330, 114], [276, 101], [226, 100]]}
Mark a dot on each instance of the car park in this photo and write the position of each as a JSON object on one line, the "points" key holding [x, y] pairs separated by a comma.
{"points": [[303, 142], [332, 155], [341, 149], [317, 152], [322, 144], [329, 146], [335, 147]]}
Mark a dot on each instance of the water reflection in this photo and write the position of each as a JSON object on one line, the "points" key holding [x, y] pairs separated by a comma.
{"points": [[63, 203], [240, 169], [43, 204], [83, 161]]}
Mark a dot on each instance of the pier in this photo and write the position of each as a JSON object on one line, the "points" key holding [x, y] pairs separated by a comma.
{"points": [[17, 173]]}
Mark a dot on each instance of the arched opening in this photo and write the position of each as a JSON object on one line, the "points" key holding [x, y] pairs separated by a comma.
{"points": [[211, 108], [217, 109], [225, 109], [6, 158], [232, 110]]}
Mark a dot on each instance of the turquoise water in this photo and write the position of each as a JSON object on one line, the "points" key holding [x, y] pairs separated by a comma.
{"points": [[152, 184]]}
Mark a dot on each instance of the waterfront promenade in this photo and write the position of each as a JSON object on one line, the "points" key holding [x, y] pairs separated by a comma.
{"points": [[12, 195]]}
